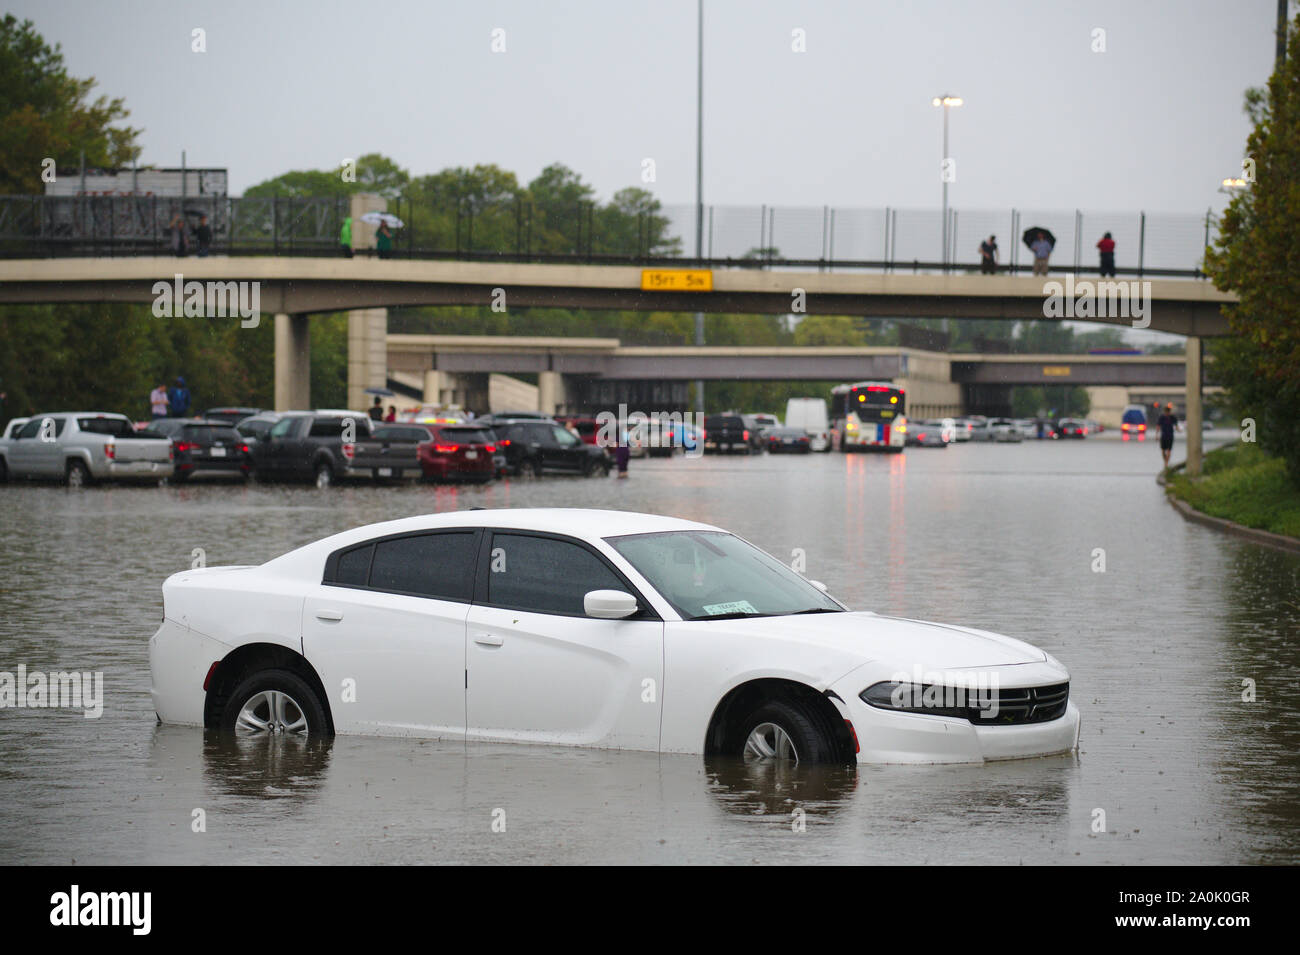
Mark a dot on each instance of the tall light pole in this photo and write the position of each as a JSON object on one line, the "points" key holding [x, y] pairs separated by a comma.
{"points": [[699, 176], [947, 101]]}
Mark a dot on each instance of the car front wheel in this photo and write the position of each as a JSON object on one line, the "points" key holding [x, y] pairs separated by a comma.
{"points": [[274, 702], [786, 730]]}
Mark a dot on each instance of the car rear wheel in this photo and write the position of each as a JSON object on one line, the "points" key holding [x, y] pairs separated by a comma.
{"points": [[785, 730], [533, 467], [77, 474], [324, 475], [274, 702]]}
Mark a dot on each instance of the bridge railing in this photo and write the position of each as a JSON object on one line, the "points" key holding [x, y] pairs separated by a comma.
{"points": [[517, 229]]}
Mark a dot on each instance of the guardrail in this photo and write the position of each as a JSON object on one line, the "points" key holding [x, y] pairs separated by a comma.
{"points": [[519, 230]]}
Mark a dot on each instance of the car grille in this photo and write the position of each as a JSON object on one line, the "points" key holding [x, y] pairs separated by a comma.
{"points": [[1016, 707]]}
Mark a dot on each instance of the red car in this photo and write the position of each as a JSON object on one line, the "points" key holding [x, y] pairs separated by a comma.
{"points": [[437, 452]]}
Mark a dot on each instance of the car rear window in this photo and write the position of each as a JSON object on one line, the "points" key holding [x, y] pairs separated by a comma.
{"points": [[467, 435], [406, 433], [210, 434], [427, 565], [116, 427], [333, 427]]}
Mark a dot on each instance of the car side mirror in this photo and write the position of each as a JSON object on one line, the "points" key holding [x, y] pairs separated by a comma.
{"points": [[819, 585], [609, 604]]}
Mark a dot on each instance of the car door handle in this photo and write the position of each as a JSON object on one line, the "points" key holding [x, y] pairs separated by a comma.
{"points": [[489, 639], [329, 614]]}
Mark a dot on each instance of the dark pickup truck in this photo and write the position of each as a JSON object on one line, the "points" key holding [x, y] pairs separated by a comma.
{"points": [[437, 452], [310, 446], [727, 432]]}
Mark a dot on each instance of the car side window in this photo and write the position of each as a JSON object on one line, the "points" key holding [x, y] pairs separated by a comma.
{"points": [[426, 565], [32, 429], [564, 438], [545, 575], [354, 566], [283, 427]]}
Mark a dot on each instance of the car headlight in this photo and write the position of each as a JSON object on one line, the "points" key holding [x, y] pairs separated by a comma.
{"points": [[919, 698]]}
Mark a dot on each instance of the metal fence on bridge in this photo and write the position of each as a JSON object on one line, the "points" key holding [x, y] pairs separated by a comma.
{"points": [[826, 238]]}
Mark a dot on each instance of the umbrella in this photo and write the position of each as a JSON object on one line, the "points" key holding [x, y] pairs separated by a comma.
{"points": [[375, 218], [1034, 231], [381, 391]]}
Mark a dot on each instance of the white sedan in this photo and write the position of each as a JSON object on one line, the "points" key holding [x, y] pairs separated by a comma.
{"points": [[588, 628]]}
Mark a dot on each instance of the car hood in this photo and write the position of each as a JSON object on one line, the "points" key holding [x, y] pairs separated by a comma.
{"points": [[861, 637]]}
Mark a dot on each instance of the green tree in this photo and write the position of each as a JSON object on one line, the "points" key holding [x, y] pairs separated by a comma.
{"points": [[1257, 255], [45, 113]]}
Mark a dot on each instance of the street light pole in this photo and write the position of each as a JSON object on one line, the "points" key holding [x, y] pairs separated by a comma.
{"points": [[699, 178], [947, 100]]}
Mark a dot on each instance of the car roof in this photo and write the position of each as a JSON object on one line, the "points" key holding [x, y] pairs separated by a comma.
{"points": [[584, 523]]}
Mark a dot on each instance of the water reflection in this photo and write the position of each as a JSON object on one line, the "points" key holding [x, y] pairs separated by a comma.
{"points": [[274, 767], [777, 788]]}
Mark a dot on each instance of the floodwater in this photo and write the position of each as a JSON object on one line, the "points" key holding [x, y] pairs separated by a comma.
{"points": [[1000, 537]]}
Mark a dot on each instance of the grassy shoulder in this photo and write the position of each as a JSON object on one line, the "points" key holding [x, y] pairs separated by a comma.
{"points": [[1243, 484]]}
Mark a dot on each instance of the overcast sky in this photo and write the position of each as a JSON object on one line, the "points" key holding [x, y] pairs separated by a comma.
{"points": [[1154, 122]]}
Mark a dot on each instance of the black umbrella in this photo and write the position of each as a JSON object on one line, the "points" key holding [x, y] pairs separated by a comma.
{"points": [[1032, 234], [382, 392]]}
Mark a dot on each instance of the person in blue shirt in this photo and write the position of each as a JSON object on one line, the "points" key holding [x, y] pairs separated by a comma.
{"points": [[178, 397]]}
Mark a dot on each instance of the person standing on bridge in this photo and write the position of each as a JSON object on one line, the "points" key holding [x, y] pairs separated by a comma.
{"points": [[1167, 423], [203, 236], [180, 242], [1041, 249], [989, 255], [384, 241], [1106, 248], [345, 237]]}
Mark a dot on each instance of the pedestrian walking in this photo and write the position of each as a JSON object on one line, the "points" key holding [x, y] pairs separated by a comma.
{"points": [[1167, 423], [623, 452], [376, 411], [384, 241], [392, 414], [989, 255], [1106, 248], [203, 236], [345, 237], [1042, 249], [158, 402]]}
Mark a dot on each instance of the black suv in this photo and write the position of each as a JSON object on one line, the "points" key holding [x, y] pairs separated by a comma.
{"points": [[534, 445], [727, 433], [308, 445]]}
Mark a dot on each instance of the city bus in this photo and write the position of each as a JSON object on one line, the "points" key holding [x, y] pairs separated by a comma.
{"points": [[869, 416]]}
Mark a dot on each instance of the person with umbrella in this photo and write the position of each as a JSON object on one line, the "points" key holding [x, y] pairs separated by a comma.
{"points": [[384, 241], [1106, 248], [1040, 242]]}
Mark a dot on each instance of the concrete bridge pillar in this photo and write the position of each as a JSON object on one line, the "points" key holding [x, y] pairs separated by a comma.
{"points": [[367, 355], [292, 362], [550, 391], [434, 383], [1194, 412]]}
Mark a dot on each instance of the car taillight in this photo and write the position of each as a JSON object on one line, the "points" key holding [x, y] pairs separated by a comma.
{"points": [[1124, 426], [446, 448], [186, 446], [745, 434], [1142, 427], [489, 448], [110, 451], [243, 449], [211, 670], [504, 442], [349, 450]]}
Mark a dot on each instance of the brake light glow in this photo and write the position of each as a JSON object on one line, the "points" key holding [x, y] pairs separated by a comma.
{"points": [[446, 448], [349, 450], [489, 448], [110, 450], [186, 446]]}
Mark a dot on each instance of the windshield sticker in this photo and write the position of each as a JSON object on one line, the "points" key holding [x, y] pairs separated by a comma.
{"points": [[736, 606]]}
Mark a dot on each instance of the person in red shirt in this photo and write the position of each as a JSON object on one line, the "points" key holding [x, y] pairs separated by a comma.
{"points": [[1107, 249]]}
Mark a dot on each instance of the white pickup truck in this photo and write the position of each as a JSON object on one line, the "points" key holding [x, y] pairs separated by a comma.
{"points": [[81, 447]]}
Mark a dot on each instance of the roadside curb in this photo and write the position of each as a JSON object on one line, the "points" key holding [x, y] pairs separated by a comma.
{"points": [[1267, 538]]}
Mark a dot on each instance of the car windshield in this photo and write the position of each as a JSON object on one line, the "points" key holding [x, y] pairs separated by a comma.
{"points": [[711, 575]]}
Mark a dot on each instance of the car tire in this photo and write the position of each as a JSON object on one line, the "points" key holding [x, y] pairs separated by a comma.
{"points": [[4, 472], [299, 710], [806, 737], [324, 475], [533, 467], [77, 474]]}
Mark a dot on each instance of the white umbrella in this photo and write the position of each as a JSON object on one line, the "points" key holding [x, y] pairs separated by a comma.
{"points": [[375, 218]]}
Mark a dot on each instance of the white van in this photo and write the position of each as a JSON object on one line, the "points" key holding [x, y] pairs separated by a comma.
{"points": [[810, 414]]}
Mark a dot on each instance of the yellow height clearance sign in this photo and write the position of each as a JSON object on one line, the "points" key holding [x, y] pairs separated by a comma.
{"points": [[676, 280]]}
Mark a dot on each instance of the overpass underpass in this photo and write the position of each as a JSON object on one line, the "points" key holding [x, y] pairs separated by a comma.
{"points": [[574, 374]]}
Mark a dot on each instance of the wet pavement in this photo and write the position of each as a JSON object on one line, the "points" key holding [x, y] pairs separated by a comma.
{"points": [[1003, 537]]}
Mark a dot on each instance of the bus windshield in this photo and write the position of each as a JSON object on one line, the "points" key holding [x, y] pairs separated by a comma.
{"points": [[874, 402]]}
